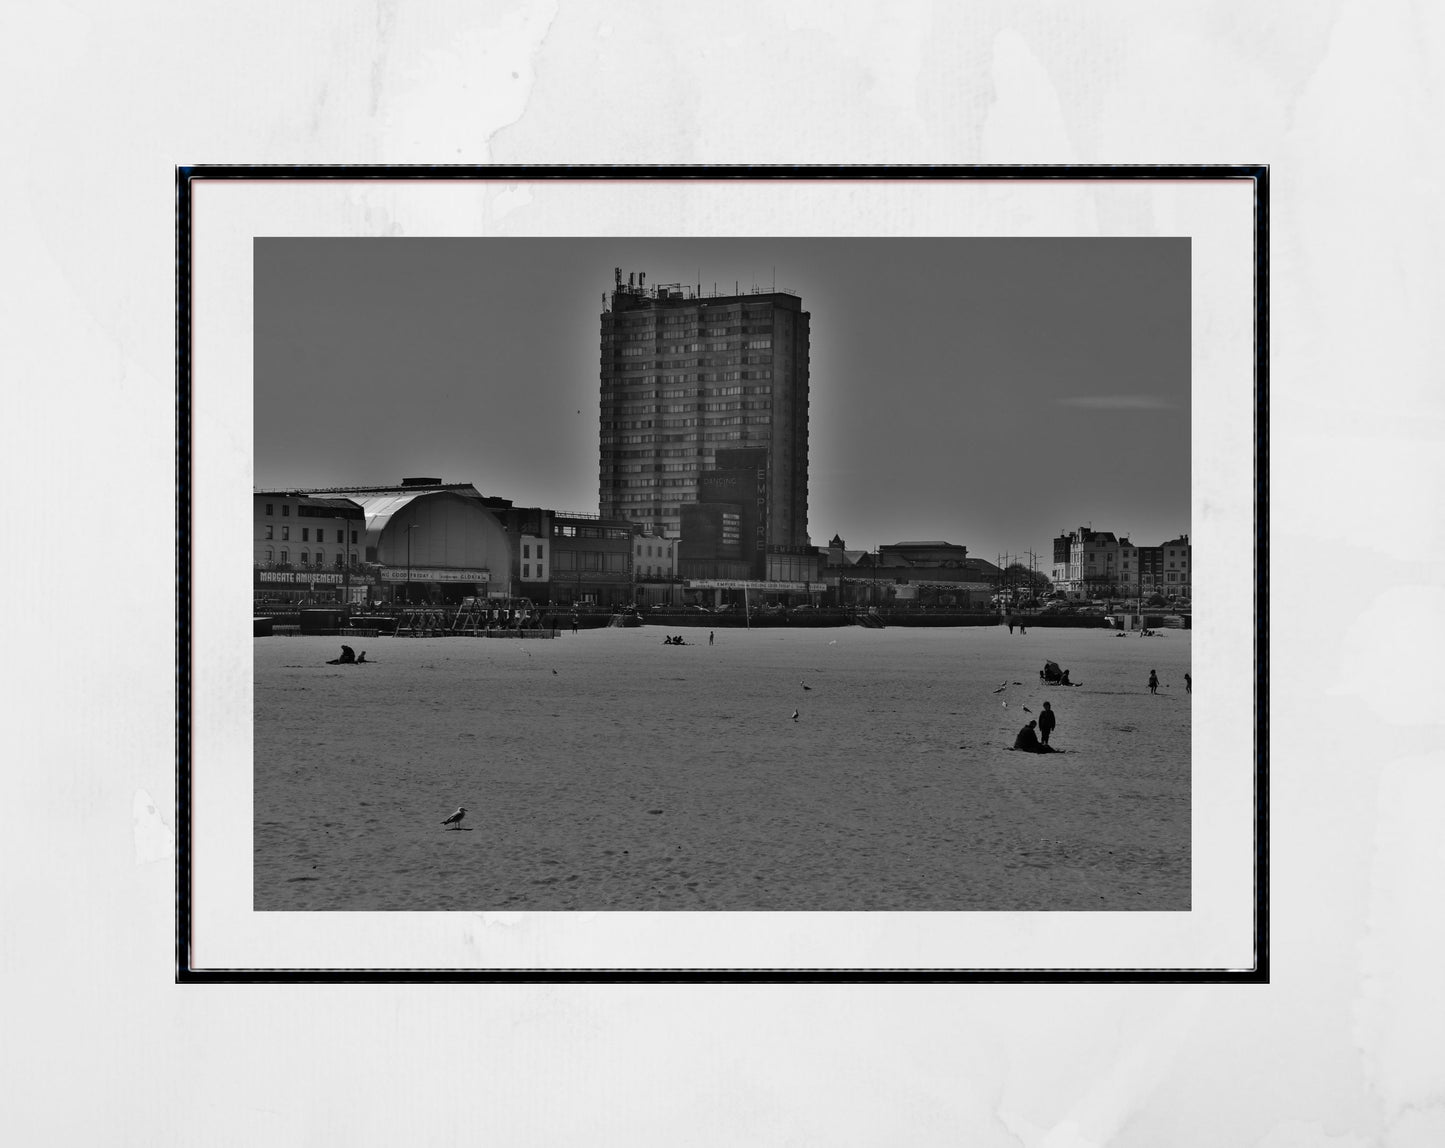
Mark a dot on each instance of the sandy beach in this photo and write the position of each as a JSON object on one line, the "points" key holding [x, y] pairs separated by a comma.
{"points": [[607, 771]]}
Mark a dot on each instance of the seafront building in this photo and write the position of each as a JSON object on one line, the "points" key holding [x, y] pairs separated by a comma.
{"points": [[1093, 564], [934, 574], [692, 385], [425, 540]]}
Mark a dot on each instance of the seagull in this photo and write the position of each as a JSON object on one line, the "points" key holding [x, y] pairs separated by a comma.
{"points": [[1000, 689], [1027, 710], [554, 671], [805, 685], [795, 715], [1005, 705], [1003, 685], [456, 818]]}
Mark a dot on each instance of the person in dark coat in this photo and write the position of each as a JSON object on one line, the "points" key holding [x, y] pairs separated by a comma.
{"points": [[348, 657], [1047, 722], [1188, 684], [1153, 682], [1028, 741]]}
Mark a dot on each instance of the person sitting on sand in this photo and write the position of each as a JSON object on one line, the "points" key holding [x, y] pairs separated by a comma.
{"points": [[348, 657], [361, 660], [1064, 681], [1028, 741]]}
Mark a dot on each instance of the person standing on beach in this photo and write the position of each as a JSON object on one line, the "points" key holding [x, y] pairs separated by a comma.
{"points": [[1188, 684], [1046, 723], [1153, 682], [1028, 741], [709, 637]]}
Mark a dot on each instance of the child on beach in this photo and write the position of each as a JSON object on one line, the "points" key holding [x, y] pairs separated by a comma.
{"points": [[1153, 682]]}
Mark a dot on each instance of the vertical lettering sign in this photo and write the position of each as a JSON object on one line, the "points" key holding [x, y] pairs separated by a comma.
{"points": [[762, 529]]}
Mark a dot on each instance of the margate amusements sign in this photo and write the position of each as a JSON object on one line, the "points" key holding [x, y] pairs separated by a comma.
{"points": [[302, 577]]}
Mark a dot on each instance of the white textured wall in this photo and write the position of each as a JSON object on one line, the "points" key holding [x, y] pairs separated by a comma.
{"points": [[1344, 1049]]}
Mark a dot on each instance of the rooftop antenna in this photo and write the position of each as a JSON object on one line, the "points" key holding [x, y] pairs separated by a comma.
{"points": [[617, 277]]}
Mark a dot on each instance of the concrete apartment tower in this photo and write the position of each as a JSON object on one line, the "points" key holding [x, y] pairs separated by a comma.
{"points": [[685, 376]]}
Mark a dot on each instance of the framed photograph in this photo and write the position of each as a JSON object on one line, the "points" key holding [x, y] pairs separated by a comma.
{"points": [[723, 574]]}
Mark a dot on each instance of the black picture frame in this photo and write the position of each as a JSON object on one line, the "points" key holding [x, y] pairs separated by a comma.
{"points": [[187, 181]]}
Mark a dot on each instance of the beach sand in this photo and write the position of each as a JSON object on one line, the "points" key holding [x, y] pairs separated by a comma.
{"points": [[640, 776]]}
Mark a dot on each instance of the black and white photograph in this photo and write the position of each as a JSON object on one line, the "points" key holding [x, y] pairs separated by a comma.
{"points": [[824, 574]]}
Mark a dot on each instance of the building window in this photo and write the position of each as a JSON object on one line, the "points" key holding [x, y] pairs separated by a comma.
{"points": [[285, 510], [270, 532], [341, 536], [305, 534], [270, 555], [339, 563], [353, 538], [285, 534], [270, 508], [285, 556], [320, 558], [526, 550], [305, 557], [539, 558], [526, 570]]}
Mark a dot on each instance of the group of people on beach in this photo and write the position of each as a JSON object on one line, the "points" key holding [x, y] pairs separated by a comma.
{"points": [[1034, 737], [1031, 742], [349, 658]]}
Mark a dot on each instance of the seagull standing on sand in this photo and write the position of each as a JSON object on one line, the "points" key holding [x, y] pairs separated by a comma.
{"points": [[805, 685], [795, 715], [456, 818]]}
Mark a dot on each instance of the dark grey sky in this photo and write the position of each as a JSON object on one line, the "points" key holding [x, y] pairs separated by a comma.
{"points": [[989, 392]]}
